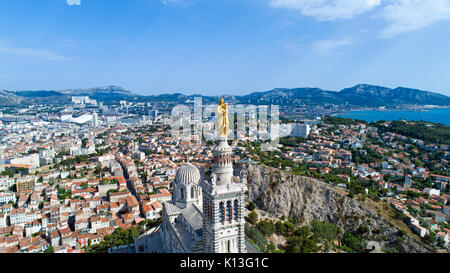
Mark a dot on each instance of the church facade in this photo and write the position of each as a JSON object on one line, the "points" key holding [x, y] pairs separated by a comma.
{"points": [[206, 215]]}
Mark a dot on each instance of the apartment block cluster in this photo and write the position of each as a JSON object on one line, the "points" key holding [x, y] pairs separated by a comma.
{"points": [[398, 169], [65, 186]]}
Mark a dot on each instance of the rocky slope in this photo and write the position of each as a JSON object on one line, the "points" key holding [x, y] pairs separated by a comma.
{"points": [[280, 193], [8, 98]]}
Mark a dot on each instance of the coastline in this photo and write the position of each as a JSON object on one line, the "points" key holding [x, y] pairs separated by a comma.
{"points": [[427, 114]]}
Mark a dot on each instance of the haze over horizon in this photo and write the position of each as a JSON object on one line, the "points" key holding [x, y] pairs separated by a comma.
{"points": [[225, 46], [187, 92]]}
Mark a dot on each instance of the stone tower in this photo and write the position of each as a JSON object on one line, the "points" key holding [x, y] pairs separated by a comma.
{"points": [[223, 205]]}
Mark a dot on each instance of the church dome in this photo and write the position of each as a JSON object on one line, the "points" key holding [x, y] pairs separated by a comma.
{"points": [[187, 174]]}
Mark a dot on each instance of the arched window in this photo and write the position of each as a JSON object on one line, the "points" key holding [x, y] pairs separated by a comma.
{"points": [[181, 193], [236, 209], [210, 212], [229, 211], [221, 212], [192, 193]]}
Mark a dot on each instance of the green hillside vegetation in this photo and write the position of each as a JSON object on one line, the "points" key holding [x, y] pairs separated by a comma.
{"points": [[342, 121], [123, 236], [117, 238], [426, 131], [319, 236]]}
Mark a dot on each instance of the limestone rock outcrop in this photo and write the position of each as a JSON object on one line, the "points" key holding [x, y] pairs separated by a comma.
{"points": [[305, 199]]}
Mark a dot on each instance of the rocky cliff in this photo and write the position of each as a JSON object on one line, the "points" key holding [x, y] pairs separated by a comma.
{"points": [[281, 193]]}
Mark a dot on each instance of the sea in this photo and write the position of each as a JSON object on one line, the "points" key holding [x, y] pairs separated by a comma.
{"points": [[437, 115]]}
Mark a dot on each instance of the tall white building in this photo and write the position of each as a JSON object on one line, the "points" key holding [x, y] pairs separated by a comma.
{"points": [[295, 130], [83, 100], [300, 130], [95, 122]]}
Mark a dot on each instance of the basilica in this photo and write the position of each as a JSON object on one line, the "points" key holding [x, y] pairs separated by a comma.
{"points": [[206, 215]]}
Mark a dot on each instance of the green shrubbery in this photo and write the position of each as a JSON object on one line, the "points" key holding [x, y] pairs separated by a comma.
{"points": [[251, 206], [352, 241], [118, 238], [256, 236], [252, 218], [324, 230], [266, 227], [302, 239], [436, 133]]}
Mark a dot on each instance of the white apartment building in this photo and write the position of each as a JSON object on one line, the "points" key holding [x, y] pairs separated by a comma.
{"points": [[20, 217], [6, 182], [300, 130], [430, 191], [3, 220], [99, 222], [6, 197]]}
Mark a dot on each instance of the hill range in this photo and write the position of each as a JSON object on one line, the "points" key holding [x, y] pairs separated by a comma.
{"points": [[361, 95]]}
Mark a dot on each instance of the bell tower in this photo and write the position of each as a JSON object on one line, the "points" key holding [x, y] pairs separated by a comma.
{"points": [[223, 199]]}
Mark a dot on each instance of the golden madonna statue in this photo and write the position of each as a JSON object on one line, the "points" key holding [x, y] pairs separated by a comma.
{"points": [[222, 118]]}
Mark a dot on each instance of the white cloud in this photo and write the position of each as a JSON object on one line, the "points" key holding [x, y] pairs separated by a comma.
{"points": [[73, 2], [177, 2], [328, 10], [327, 46], [400, 16], [34, 53], [410, 15]]}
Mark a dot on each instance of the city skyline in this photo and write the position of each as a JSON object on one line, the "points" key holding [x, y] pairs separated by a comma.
{"points": [[231, 47]]}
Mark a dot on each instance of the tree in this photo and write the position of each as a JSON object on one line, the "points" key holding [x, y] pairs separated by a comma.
{"points": [[251, 206], [256, 236], [117, 238], [98, 169], [430, 238], [266, 227], [362, 229], [300, 244], [280, 228], [303, 231], [49, 250], [252, 218], [111, 191], [352, 241], [324, 230], [289, 226], [387, 177]]}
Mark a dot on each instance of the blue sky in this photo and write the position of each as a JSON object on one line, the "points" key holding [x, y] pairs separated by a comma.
{"points": [[224, 46]]}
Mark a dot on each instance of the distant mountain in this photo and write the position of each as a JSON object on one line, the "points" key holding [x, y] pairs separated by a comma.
{"points": [[105, 94], [294, 96], [371, 95], [36, 94], [9, 98], [112, 89], [361, 95]]}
